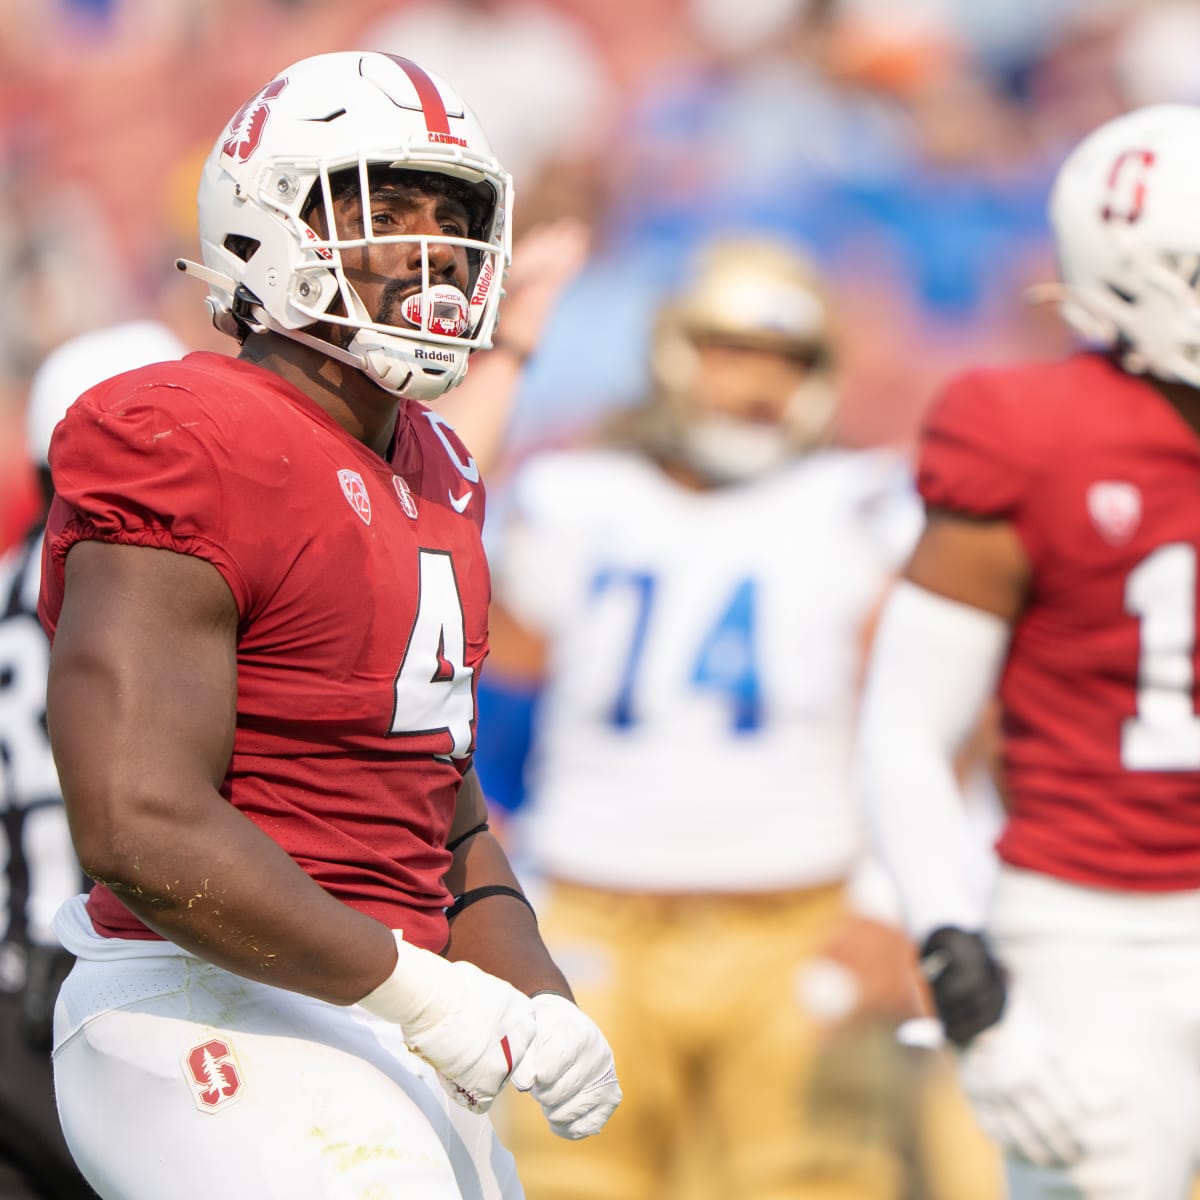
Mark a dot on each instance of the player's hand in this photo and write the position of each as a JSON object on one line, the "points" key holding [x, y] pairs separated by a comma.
{"points": [[569, 1070], [473, 1027], [968, 985], [1019, 1091], [866, 968]]}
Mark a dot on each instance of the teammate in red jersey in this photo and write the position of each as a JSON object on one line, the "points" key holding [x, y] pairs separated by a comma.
{"points": [[268, 596], [1060, 561]]}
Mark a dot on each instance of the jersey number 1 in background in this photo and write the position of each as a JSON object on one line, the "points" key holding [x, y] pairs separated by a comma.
{"points": [[1161, 593]]}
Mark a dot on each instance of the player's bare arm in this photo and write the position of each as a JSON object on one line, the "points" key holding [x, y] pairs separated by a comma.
{"points": [[141, 706], [980, 563], [495, 930]]}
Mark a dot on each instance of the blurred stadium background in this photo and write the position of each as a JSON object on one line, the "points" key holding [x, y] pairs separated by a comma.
{"points": [[908, 145]]}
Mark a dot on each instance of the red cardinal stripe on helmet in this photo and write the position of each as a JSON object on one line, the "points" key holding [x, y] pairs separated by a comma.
{"points": [[436, 120]]}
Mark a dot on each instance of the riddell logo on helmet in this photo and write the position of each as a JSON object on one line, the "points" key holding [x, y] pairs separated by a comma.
{"points": [[447, 139], [483, 284], [436, 355], [310, 235]]}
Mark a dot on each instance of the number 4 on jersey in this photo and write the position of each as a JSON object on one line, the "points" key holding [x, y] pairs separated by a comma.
{"points": [[434, 691]]}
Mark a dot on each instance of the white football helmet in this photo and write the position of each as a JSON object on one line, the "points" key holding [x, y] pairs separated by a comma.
{"points": [[268, 268], [752, 291], [1125, 212]]}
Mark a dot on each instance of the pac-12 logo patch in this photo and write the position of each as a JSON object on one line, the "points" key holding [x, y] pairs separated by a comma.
{"points": [[355, 491], [405, 496], [1116, 509], [213, 1074]]}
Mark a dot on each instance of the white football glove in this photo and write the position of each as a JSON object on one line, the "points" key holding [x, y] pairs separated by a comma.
{"points": [[473, 1027], [569, 1069], [1018, 1089]]}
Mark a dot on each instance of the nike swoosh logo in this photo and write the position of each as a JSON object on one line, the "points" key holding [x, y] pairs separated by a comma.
{"points": [[459, 503]]}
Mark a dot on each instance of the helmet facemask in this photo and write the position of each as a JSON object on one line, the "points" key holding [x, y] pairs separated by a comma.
{"points": [[1149, 317], [426, 321]]}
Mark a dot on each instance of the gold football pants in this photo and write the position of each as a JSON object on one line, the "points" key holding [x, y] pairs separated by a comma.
{"points": [[732, 1090]]}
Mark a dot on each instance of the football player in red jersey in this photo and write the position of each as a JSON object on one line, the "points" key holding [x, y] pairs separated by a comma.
{"points": [[266, 585], [1059, 561]]}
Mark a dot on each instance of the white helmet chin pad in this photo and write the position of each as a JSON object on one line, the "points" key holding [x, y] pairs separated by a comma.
{"points": [[408, 368], [322, 128], [1124, 211]]}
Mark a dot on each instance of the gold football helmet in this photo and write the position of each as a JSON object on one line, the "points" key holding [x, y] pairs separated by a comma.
{"points": [[749, 293]]}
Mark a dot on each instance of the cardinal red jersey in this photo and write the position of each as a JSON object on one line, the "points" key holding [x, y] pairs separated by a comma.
{"points": [[362, 591], [1100, 476]]}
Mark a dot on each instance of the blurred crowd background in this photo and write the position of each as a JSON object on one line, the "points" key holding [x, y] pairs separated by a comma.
{"points": [[908, 145]]}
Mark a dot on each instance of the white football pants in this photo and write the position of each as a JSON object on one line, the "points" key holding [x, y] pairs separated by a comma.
{"points": [[177, 1079], [1115, 978]]}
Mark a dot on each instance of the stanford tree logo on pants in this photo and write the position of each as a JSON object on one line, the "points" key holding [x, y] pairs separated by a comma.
{"points": [[213, 1073]]}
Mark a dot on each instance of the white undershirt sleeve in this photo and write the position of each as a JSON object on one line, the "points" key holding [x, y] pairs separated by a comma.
{"points": [[934, 665]]}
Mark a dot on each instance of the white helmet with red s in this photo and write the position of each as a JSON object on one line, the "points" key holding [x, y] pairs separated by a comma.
{"points": [[343, 117], [1125, 211]]}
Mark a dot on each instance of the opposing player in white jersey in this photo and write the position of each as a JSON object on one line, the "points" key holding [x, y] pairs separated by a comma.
{"points": [[693, 596], [38, 868]]}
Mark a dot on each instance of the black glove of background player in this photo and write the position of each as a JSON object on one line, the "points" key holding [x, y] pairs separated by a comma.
{"points": [[968, 984]]}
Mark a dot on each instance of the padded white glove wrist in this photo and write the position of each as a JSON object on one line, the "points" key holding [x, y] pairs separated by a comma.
{"points": [[569, 1069], [1019, 1092], [473, 1027]]}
